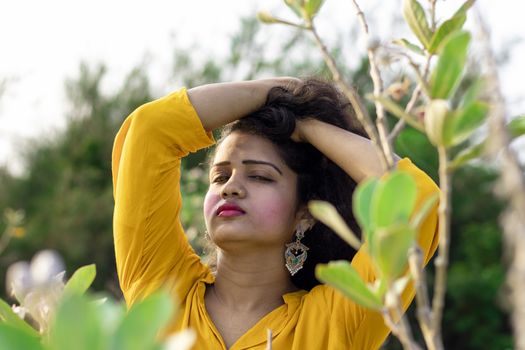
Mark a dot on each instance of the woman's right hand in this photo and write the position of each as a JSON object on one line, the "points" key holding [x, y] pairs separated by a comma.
{"points": [[222, 103]]}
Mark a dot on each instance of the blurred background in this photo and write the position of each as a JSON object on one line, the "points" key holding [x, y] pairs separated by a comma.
{"points": [[71, 71]]}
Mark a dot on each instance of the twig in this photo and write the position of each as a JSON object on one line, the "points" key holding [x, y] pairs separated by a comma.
{"points": [[399, 332], [375, 73], [351, 94], [511, 185], [424, 314], [422, 78], [441, 261]]}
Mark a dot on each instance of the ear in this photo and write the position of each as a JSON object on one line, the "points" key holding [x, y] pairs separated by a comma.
{"points": [[305, 220]]}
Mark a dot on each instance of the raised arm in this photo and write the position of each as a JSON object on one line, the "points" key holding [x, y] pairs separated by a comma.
{"points": [[222, 103], [356, 155]]}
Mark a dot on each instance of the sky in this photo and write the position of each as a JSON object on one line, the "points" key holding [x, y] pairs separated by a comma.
{"points": [[43, 42]]}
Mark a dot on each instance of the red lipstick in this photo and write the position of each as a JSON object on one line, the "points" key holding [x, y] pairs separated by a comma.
{"points": [[229, 210]]}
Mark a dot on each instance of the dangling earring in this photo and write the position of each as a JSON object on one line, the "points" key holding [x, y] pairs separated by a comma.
{"points": [[295, 254]]}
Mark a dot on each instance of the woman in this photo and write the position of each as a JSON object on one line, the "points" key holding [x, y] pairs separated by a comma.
{"points": [[263, 172]]}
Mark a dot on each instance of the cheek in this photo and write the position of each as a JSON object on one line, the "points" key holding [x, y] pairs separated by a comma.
{"points": [[277, 211], [210, 201]]}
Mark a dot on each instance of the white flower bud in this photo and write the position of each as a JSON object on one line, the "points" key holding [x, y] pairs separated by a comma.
{"points": [[18, 280], [435, 114], [45, 265]]}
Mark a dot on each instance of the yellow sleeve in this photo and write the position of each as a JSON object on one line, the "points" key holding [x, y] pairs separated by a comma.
{"points": [[365, 327], [150, 244]]}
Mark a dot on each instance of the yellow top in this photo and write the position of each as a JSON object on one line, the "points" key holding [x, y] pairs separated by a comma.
{"points": [[151, 246]]}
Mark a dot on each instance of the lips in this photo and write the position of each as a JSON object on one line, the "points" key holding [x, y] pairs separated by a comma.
{"points": [[229, 210]]}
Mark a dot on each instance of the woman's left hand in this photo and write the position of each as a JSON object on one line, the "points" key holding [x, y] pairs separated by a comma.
{"points": [[298, 134]]}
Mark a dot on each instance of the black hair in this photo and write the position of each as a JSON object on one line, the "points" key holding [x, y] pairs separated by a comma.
{"points": [[318, 177]]}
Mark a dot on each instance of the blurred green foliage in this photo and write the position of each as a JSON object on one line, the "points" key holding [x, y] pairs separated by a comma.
{"points": [[66, 188]]}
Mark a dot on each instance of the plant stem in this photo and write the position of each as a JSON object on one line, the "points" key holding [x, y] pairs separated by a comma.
{"points": [[441, 261], [422, 78], [424, 313], [511, 186], [353, 97], [375, 73]]}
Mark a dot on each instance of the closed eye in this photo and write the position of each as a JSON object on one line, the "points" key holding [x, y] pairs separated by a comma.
{"points": [[219, 179], [261, 178]]}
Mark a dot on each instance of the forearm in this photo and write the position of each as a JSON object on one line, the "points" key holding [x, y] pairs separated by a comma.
{"points": [[222, 103], [356, 155]]}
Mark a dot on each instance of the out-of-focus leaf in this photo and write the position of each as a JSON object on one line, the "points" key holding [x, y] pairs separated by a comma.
{"points": [[393, 200], [312, 7], [13, 338], [398, 111], [343, 277], [8, 316], [516, 127], [408, 45], [139, 328], [436, 114], [464, 121], [328, 215], [453, 24], [295, 6], [392, 245], [81, 280], [449, 69], [466, 155], [77, 325], [417, 21], [472, 92], [362, 204], [423, 211]]}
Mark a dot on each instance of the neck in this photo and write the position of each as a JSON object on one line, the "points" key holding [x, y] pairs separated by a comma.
{"points": [[247, 282]]}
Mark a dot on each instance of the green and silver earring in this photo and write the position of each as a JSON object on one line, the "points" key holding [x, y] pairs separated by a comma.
{"points": [[295, 254]]}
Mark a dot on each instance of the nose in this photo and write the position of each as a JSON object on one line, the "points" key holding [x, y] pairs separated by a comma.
{"points": [[233, 188]]}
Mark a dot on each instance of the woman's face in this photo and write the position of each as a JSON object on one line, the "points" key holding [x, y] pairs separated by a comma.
{"points": [[252, 198]]}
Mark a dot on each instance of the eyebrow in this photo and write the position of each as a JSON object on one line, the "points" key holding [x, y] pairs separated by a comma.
{"points": [[249, 162]]}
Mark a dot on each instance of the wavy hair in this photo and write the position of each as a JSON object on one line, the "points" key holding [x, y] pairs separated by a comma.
{"points": [[318, 177]]}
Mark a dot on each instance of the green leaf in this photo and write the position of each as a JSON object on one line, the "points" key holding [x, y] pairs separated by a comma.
{"points": [[77, 325], [452, 25], [392, 245], [81, 280], [417, 21], [465, 7], [362, 204], [139, 328], [465, 121], [393, 200], [398, 111], [516, 126], [295, 6], [8, 316], [472, 92], [466, 155], [449, 69], [312, 7], [328, 215], [419, 217], [408, 45], [13, 338], [343, 277]]}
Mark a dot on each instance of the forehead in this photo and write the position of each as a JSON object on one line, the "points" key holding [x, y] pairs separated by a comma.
{"points": [[246, 146]]}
